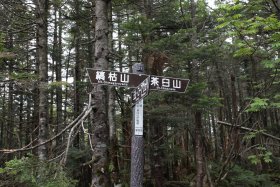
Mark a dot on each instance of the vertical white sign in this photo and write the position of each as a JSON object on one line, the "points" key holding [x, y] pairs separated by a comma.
{"points": [[138, 119]]}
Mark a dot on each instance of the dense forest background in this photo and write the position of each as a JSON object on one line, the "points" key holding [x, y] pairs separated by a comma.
{"points": [[56, 129]]}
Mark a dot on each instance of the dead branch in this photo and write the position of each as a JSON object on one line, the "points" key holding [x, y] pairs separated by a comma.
{"points": [[248, 129], [85, 114], [49, 140]]}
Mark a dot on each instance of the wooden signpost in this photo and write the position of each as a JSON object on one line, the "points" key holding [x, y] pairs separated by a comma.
{"points": [[142, 84]]}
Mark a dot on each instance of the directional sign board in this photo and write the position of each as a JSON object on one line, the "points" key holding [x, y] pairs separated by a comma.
{"points": [[115, 78], [141, 91], [168, 84]]}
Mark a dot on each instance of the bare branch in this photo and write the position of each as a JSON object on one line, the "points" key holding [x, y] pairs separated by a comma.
{"points": [[76, 121], [249, 129]]}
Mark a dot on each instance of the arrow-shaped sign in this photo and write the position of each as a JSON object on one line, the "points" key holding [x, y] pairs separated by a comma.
{"points": [[115, 78], [168, 84]]}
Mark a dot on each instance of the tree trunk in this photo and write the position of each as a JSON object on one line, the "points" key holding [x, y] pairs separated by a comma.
{"points": [[10, 125], [20, 132], [77, 69], [2, 134], [58, 67], [114, 175], [42, 40], [199, 151], [101, 130]]}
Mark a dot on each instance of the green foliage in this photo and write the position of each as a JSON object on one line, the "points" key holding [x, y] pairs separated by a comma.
{"points": [[141, 25], [270, 64], [29, 171], [75, 157], [2, 75], [57, 84], [251, 135], [57, 3], [275, 101], [243, 51], [1, 42], [23, 76], [257, 104], [200, 100], [263, 154], [240, 177], [249, 26]]}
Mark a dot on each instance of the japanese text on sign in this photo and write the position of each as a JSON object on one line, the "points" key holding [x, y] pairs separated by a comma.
{"points": [[114, 78], [141, 91], [168, 84], [138, 128], [120, 79]]}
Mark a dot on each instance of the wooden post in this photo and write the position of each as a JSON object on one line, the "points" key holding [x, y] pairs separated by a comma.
{"points": [[137, 141]]}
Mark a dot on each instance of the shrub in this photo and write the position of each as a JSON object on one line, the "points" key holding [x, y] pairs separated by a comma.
{"points": [[31, 172]]}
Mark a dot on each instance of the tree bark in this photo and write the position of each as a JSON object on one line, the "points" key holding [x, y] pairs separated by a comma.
{"points": [[42, 41], [114, 175], [3, 126], [77, 68], [101, 130], [199, 152], [10, 125], [58, 68]]}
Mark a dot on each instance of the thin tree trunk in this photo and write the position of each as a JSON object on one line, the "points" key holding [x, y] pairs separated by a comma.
{"points": [[51, 119], [77, 69], [235, 132], [28, 126], [20, 120], [10, 125], [67, 66], [199, 152], [3, 138], [58, 66], [215, 136]]}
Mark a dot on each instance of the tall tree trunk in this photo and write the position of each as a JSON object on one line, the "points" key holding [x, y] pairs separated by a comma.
{"points": [[101, 130], [235, 131], [199, 151], [51, 119], [20, 130], [10, 127], [59, 116], [77, 69], [67, 67], [57, 55], [2, 134], [28, 125], [111, 110], [42, 52]]}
